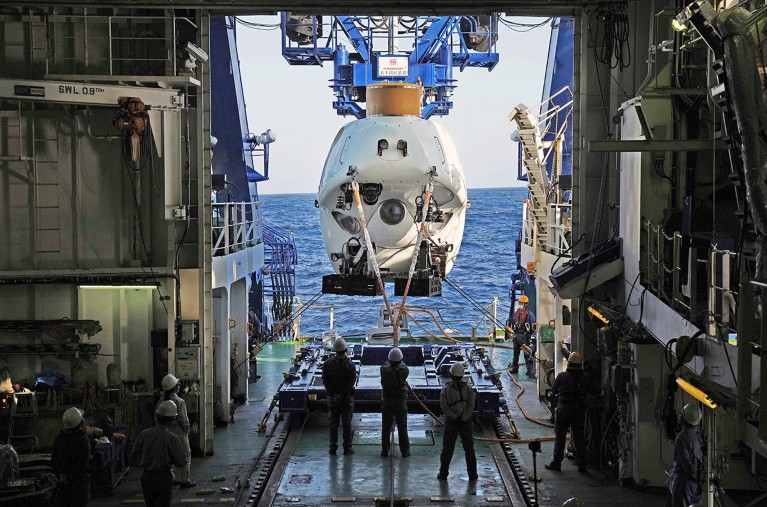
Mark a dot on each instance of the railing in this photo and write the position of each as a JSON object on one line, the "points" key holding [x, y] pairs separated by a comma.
{"points": [[559, 228], [74, 44], [693, 276], [319, 321], [236, 226], [528, 225]]}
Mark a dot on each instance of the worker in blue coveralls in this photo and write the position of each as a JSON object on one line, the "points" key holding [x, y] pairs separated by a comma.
{"points": [[339, 377], [523, 325], [394, 407], [684, 478]]}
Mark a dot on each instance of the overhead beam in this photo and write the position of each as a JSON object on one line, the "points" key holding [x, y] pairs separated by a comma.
{"points": [[657, 145], [543, 8]]}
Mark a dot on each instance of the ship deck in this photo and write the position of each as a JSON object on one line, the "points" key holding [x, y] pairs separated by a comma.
{"points": [[289, 465]]}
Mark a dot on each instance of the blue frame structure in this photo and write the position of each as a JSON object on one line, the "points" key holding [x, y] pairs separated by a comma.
{"points": [[436, 44]]}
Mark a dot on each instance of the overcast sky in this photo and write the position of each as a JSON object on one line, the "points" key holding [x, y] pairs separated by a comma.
{"points": [[296, 103]]}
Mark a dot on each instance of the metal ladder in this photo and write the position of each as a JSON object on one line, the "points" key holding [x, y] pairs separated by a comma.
{"points": [[537, 179], [30, 415]]}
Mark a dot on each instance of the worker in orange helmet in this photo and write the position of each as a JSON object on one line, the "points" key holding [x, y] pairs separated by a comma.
{"points": [[523, 325]]}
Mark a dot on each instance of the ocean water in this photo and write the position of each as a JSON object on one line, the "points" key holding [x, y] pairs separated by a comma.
{"points": [[482, 269]]}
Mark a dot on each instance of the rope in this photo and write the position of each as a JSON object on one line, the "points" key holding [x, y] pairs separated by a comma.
{"points": [[519, 403], [371, 252], [439, 422], [414, 259]]}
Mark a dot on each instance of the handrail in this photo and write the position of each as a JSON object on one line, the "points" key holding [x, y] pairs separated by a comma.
{"points": [[236, 226]]}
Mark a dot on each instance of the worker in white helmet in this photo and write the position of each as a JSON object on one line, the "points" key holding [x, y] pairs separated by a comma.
{"points": [[457, 400], [157, 450], [339, 376], [180, 427], [684, 478], [70, 457], [394, 375]]}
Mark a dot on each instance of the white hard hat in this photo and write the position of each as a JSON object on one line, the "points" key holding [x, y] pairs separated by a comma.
{"points": [[339, 345], [169, 381], [72, 418], [167, 409], [691, 414], [457, 370], [395, 354]]}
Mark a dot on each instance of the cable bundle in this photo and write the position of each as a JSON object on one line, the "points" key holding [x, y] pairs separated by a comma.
{"points": [[610, 39]]}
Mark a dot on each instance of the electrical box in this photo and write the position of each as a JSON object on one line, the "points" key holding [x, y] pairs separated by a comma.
{"points": [[190, 332], [188, 362]]}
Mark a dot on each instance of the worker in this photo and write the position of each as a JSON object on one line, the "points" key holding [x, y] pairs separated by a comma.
{"points": [[180, 427], [570, 388], [339, 376], [156, 450], [564, 346], [394, 386], [684, 478], [457, 403], [69, 460], [523, 325]]}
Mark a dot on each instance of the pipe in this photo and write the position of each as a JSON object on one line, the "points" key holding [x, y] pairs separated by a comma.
{"points": [[651, 51], [744, 90]]}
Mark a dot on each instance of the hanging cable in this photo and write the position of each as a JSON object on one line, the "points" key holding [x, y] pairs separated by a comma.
{"points": [[371, 255]]}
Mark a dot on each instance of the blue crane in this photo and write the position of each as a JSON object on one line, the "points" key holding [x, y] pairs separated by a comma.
{"points": [[418, 50]]}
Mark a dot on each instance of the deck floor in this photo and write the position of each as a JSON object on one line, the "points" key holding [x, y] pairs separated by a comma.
{"points": [[306, 475]]}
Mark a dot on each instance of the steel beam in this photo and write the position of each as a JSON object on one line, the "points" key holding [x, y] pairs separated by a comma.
{"points": [[78, 92], [336, 7], [656, 145]]}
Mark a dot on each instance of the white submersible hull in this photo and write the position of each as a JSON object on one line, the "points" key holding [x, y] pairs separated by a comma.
{"points": [[393, 159]]}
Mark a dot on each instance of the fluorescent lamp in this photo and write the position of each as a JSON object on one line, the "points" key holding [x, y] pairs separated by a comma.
{"points": [[117, 286]]}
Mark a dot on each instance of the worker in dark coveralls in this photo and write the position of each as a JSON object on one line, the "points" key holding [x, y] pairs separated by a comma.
{"points": [[180, 427], [457, 403], [394, 393], [339, 377], [570, 388], [71, 454], [684, 478], [523, 325], [157, 449]]}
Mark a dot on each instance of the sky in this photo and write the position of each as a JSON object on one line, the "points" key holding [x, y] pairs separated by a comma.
{"points": [[295, 102]]}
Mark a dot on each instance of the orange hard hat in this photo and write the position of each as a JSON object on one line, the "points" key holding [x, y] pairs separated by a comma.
{"points": [[523, 299]]}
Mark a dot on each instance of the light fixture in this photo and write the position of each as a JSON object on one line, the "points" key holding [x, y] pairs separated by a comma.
{"points": [[593, 311], [678, 26], [696, 393], [267, 137], [196, 52], [102, 287]]}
